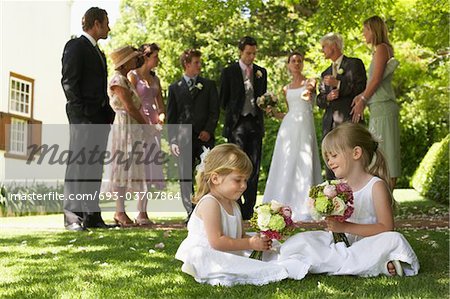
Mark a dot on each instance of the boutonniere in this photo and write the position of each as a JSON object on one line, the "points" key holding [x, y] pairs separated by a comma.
{"points": [[199, 86], [258, 74], [340, 71], [179, 83]]}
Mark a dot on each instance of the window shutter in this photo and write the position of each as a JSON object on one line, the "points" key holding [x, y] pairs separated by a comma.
{"points": [[34, 132], [5, 119]]}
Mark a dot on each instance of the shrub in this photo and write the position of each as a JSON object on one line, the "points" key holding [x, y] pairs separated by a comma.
{"points": [[431, 178], [15, 199]]}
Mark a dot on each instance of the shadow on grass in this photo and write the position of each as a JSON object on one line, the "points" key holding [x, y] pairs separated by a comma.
{"points": [[125, 263]]}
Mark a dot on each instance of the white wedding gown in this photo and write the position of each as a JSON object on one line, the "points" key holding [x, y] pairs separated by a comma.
{"points": [[365, 257], [214, 267], [295, 165]]}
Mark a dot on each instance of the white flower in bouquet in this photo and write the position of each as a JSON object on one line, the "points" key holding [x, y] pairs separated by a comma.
{"points": [[339, 207], [275, 205], [264, 215]]}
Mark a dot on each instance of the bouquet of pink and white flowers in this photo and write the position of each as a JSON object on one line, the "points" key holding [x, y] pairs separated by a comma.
{"points": [[332, 198], [267, 101], [271, 219]]}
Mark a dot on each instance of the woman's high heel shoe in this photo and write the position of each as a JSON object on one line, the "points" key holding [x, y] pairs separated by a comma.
{"points": [[124, 222], [144, 222]]}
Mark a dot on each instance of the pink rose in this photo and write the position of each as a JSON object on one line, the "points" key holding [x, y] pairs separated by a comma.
{"points": [[272, 234], [286, 212], [343, 188], [329, 191]]}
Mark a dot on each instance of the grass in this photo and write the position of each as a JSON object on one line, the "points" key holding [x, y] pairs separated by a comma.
{"points": [[44, 263]]}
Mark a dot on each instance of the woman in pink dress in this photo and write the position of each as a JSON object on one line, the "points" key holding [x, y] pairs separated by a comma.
{"points": [[148, 88]]}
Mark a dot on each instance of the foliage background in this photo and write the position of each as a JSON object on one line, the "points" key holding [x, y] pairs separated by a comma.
{"points": [[419, 30]]}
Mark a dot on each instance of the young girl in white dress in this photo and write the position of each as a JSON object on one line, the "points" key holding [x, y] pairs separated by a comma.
{"points": [[214, 250], [295, 165], [353, 155]]}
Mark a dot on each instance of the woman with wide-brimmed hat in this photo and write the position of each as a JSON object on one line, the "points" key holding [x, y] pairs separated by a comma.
{"points": [[128, 134]]}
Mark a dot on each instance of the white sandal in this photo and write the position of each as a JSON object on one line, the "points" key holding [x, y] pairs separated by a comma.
{"points": [[398, 267]]}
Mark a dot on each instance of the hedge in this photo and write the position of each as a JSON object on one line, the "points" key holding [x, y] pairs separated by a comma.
{"points": [[431, 178]]}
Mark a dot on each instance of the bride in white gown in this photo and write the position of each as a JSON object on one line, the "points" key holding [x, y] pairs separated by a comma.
{"points": [[295, 165]]}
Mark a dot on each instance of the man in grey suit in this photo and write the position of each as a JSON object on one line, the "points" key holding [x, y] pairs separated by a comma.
{"points": [[84, 80], [344, 79], [193, 100]]}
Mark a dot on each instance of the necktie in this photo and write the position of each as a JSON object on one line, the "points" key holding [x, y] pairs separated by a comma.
{"points": [[335, 69], [248, 72], [100, 55], [191, 86]]}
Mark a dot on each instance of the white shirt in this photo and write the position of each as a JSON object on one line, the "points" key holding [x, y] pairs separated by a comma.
{"points": [[90, 38], [338, 65], [244, 67]]}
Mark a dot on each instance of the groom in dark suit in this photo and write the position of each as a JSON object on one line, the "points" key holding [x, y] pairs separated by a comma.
{"points": [[344, 79], [241, 84], [192, 100], [84, 80]]}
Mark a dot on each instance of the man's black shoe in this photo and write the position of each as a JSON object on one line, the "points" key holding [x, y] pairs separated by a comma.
{"points": [[99, 225], [75, 227]]}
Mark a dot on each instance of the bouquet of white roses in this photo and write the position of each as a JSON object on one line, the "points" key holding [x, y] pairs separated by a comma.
{"points": [[272, 220], [267, 101], [332, 198]]}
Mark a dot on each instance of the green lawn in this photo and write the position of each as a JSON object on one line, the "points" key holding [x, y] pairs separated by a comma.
{"points": [[37, 261]]}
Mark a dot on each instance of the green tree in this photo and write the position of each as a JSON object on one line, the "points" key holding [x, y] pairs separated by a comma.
{"points": [[418, 29]]}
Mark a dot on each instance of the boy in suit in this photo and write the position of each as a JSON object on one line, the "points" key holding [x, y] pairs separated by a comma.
{"points": [[193, 100]]}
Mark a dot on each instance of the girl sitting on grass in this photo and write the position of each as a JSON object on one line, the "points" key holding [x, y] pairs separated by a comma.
{"points": [[353, 155], [214, 250]]}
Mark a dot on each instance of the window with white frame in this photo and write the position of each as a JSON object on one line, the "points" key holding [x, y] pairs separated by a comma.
{"points": [[20, 95], [18, 136]]}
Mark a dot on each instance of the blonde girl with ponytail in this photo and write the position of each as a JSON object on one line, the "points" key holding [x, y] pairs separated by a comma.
{"points": [[354, 156]]}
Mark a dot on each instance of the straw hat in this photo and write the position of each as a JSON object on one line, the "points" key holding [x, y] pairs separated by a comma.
{"points": [[123, 55]]}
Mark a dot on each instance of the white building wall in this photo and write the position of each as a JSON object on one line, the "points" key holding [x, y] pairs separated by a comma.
{"points": [[33, 35]]}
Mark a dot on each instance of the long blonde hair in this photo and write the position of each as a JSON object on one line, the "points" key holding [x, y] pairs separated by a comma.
{"points": [[379, 31], [222, 159], [349, 135]]}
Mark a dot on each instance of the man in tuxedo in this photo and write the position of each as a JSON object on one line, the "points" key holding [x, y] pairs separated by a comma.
{"points": [[84, 80], [192, 100], [344, 79], [241, 84]]}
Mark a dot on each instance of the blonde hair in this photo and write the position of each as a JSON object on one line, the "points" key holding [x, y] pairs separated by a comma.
{"points": [[349, 135], [379, 31], [333, 38], [222, 159]]}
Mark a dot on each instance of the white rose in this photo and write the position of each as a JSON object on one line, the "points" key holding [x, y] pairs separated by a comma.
{"points": [[275, 205], [263, 221], [338, 207]]}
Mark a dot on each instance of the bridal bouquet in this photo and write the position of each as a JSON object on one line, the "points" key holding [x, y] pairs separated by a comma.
{"points": [[267, 101], [332, 198], [272, 220]]}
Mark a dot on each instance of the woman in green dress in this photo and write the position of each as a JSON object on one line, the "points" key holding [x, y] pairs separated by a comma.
{"points": [[379, 95]]}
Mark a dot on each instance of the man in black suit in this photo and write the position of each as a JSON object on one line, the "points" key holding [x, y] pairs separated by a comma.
{"points": [[193, 100], [241, 84], [344, 79], [84, 80]]}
